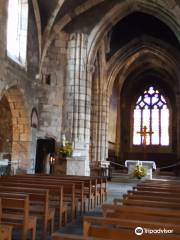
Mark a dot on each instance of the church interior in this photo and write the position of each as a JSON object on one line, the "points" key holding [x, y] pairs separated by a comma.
{"points": [[90, 114]]}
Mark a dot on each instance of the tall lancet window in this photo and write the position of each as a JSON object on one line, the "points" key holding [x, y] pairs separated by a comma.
{"points": [[151, 110], [17, 30]]}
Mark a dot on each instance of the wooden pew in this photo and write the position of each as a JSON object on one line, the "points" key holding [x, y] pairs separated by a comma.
{"points": [[55, 196], [143, 214], [61, 236], [112, 232], [164, 194], [151, 203], [68, 190], [73, 192], [156, 189], [118, 235], [160, 181], [142, 217], [162, 210], [15, 212], [151, 211], [90, 185], [96, 187], [124, 229], [39, 204], [169, 199], [166, 186], [165, 199], [99, 183], [5, 230]]}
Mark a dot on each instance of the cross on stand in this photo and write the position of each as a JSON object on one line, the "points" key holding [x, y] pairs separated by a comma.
{"points": [[144, 134]]}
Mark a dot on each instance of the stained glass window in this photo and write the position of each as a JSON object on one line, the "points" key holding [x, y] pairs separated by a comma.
{"points": [[151, 110], [17, 30]]}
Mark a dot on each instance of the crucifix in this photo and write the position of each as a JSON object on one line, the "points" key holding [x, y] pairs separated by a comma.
{"points": [[144, 134]]}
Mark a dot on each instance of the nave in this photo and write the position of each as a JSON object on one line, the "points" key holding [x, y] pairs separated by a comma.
{"points": [[69, 207]]}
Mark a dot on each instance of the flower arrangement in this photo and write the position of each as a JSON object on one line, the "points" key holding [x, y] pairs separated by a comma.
{"points": [[139, 171], [65, 149]]}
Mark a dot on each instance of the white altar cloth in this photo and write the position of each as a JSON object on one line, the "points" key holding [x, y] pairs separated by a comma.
{"points": [[148, 166], [4, 162]]}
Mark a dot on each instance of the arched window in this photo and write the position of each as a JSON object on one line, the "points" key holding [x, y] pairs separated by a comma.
{"points": [[151, 110], [17, 30]]}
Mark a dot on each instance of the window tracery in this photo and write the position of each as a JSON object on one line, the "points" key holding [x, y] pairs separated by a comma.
{"points": [[151, 110]]}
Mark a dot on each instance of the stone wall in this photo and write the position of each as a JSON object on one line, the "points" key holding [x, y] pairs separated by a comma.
{"points": [[51, 90], [6, 129], [16, 83], [39, 85]]}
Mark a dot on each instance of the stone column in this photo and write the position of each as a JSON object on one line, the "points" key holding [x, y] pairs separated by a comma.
{"points": [[76, 123], [94, 118], [99, 128], [102, 129], [99, 119]]}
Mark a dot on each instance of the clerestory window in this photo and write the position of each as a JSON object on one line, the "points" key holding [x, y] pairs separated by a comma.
{"points": [[151, 111], [17, 30]]}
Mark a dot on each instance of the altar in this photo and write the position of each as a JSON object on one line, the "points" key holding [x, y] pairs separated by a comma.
{"points": [[148, 166]]}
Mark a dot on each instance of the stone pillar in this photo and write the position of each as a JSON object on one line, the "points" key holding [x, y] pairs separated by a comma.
{"points": [[99, 128], [99, 117], [102, 130], [77, 103], [94, 123]]}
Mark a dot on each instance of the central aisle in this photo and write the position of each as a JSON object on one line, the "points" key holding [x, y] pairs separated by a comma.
{"points": [[115, 190]]}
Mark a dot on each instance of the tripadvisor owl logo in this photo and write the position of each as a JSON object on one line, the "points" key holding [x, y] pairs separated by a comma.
{"points": [[139, 231]]}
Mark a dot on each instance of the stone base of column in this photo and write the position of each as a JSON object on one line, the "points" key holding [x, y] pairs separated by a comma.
{"points": [[77, 166]]}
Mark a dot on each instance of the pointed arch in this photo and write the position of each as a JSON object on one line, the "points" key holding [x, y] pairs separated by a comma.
{"points": [[120, 10], [21, 135]]}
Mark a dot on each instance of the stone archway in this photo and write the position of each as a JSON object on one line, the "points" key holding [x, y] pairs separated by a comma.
{"points": [[20, 127], [163, 155], [144, 53], [162, 10]]}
